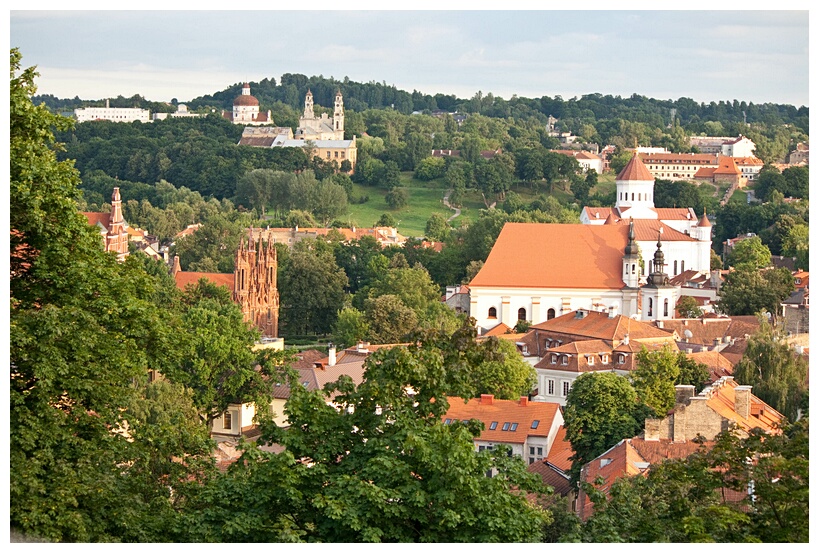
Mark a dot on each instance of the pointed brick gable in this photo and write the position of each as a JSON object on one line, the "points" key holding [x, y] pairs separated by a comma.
{"points": [[635, 170]]}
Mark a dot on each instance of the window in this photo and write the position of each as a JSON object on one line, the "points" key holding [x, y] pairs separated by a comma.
{"points": [[565, 360], [551, 385], [650, 306], [342, 155], [604, 359], [590, 359], [665, 308], [521, 314], [621, 359], [335, 154], [565, 388], [514, 427], [682, 265], [675, 267], [550, 314], [505, 427], [535, 424], [227, 421], [447, 421], [493, 425], [554, 358], [328, 155], [493, 313]]}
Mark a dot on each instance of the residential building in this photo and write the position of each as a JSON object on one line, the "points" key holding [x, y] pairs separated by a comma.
{"points": [[694, 423], [118, 115], [726, 171], [587, 160], [181, 112], [528, 428], [563, 348], [800, 156], [740, 146], [385, 236], [677, 166]]}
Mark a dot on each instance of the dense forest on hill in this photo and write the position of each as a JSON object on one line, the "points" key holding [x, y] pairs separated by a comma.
{"points": [[396, 132]]}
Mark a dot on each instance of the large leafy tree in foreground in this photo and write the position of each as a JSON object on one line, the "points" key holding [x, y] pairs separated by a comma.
{"points": [[380, 467], [84, 329]]}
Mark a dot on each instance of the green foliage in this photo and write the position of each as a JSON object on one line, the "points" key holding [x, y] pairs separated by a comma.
{"points": [[654, 378], [350, 327], [778, 376], [748, 291], [430, 168], [601, 409], [750, 251], [688, 308], [684, 500], [503, 371], [382, 468], [397, 198], [312, 286], [437, 228]]}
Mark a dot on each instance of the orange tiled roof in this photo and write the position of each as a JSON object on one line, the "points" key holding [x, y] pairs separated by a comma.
{"points": [[528, 255], [718, 365], [184, 278], [727, 166], [663, 214], [95, 218], [706, 329], [722, 399], [601, 326], [635, 170], [502, 411], [561, 451], [498, 330]]}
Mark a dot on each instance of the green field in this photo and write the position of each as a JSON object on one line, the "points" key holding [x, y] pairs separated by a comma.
{"points": [[426, 198]]}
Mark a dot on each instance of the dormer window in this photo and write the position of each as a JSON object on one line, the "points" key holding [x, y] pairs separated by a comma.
{"points": [[554, 359], [565, 360], [621, 359], [604, 359], [590, 359]]}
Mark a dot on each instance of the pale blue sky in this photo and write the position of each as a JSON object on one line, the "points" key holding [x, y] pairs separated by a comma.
{"points": [[758, 56]]}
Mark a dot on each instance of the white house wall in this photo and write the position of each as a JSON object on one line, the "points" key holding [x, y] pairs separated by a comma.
{"points": [[537, 302]]}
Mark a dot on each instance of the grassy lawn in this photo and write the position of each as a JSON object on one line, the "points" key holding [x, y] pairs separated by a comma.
{"points": [[424, 200]]}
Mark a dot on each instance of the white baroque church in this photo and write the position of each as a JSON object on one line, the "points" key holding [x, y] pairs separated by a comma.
{"points": [[616, 261]]}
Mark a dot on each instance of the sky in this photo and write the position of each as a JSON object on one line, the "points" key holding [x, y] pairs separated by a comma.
{"points": [[756, 56]]}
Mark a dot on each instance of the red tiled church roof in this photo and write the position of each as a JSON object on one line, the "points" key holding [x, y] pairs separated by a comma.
{"points": [[635, 170], [184, 278], [542, 255]]}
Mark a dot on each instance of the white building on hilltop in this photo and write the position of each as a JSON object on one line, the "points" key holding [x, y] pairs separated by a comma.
{"points": [[118, 115]]}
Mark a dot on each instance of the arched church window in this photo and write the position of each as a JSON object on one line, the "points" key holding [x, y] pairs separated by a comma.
{"points": [[493, 313], [632, 196], [521, 314], [550, 314], [665, 308], [682, 265], [675, 267], [650, 307], [633, 268]]}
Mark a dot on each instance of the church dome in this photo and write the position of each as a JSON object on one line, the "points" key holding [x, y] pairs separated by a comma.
{"points": [[245, 100]]}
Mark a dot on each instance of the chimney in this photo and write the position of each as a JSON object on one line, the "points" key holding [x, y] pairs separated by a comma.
{"points": [[486, 399], [331, 362], [684, 393], [176, 267], [612, 312], [524, 401], [742, 401], [659, 324], [652, 430]]}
